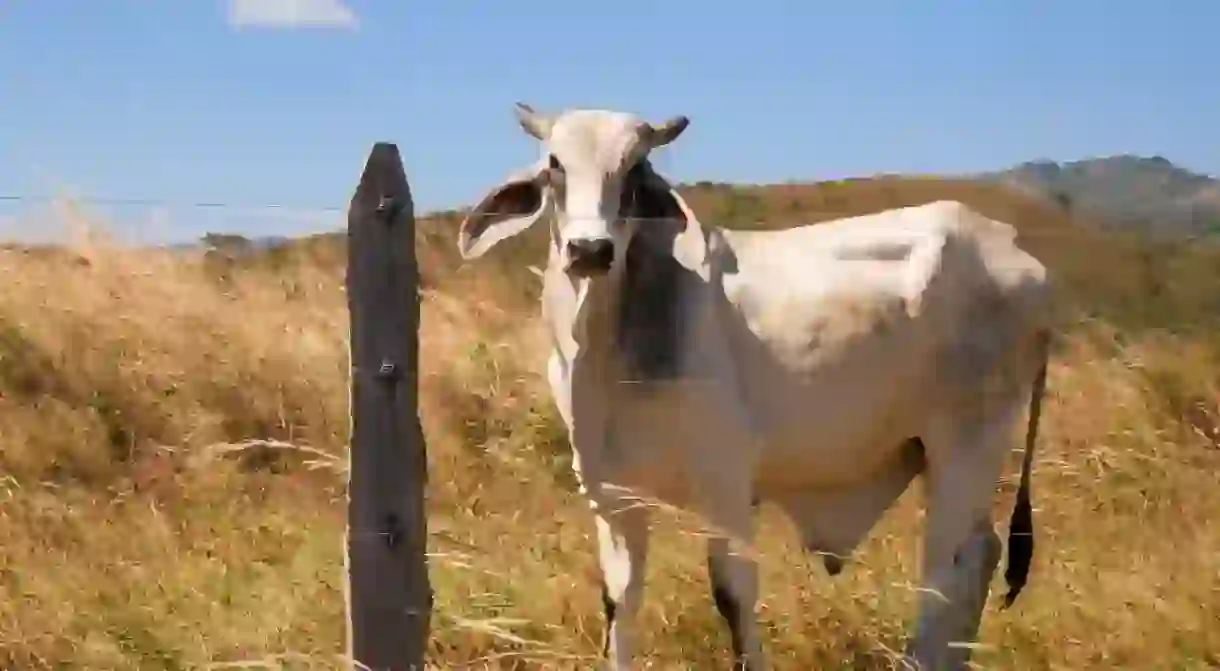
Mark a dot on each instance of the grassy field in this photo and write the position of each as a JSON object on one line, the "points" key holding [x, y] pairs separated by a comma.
{"points": [[172, 435]]}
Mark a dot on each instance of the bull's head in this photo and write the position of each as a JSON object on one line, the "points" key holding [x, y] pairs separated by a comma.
{"points": [[594, 172]]}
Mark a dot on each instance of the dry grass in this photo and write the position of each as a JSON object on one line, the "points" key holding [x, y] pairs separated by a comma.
{"points": [[140, 530]]}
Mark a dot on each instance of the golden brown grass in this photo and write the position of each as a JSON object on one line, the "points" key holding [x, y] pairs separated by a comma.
{"points": [[142, 526]]}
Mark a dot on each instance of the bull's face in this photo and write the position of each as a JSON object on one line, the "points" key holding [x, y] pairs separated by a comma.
{"points": [[594, 172]]}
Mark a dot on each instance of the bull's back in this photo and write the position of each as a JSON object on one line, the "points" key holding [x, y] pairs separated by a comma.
{"points": [[840, 328], [831, 354]]}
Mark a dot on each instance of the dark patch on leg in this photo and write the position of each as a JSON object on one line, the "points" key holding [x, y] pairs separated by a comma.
{"points": [[833, 564], [608, 607], [729, 608]]}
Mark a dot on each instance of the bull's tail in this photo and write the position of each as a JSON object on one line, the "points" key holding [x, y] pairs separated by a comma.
{"points": [[1021, 526]]}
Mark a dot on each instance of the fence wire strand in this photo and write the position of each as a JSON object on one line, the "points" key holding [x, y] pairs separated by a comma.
{"points": [[707, 217]]}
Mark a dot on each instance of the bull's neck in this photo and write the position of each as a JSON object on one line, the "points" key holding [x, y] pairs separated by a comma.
{"points": [[581, 318]]}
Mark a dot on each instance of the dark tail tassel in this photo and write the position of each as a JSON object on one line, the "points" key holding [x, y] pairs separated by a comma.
{"points": [[1020, 547]]}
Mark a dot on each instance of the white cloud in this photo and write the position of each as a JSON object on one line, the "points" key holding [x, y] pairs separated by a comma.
{"points": [[290, 13]]}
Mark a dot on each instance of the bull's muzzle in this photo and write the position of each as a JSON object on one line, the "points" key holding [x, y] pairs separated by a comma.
{"points": [[590, 257]]}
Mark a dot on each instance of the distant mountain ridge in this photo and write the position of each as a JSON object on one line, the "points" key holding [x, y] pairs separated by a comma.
{"points": [[1148, 194], [231, 243], [1125, 192]]}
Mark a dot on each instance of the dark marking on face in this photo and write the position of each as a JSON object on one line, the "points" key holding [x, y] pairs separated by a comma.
{"points": [[556, 177], [643, 199], [652, 313]]}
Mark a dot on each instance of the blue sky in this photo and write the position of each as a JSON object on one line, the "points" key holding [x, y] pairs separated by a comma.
{"points": [[230, 100]]}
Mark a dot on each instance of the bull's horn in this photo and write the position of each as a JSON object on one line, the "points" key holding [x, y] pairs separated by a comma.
{"points": [[535, 123], [667, 131]]}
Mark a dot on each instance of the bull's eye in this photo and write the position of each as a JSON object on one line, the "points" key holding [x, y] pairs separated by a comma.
{"points": [[554, 172]]}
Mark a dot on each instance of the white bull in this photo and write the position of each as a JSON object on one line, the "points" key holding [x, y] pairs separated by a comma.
{"points": [[820, 368]]}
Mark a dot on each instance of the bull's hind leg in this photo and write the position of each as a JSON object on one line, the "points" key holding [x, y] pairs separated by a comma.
{"points": [[961, 549]]}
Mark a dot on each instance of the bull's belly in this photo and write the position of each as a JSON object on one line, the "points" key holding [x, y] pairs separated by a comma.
{"points": [[665, 444], [838, 440], [796, 464]]}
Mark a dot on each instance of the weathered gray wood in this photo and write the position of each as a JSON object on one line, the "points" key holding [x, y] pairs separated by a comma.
{"points": [[389, 596]]}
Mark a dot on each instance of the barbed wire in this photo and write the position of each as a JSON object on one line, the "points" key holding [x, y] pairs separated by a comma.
{"points": [[169, 204], [707, 218]]}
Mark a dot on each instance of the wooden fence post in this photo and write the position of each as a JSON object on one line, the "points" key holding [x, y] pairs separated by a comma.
{"points": [[388, 594]]}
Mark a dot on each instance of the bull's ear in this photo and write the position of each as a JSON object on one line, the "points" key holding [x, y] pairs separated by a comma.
{"points": [[505, 211]]}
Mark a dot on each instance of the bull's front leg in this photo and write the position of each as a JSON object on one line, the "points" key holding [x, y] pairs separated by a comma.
{"points": [[732, 572], [722, 463], [734, 581], [621, 519], [622, 538]]}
